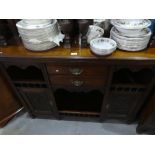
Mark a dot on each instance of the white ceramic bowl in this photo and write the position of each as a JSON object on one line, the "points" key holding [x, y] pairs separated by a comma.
{"points": [[103, 46]]}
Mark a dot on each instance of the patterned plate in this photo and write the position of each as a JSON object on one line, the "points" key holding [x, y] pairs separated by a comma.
{"points": [[131, 23]]}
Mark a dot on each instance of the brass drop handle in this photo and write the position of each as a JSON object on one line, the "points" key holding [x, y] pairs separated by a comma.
{"points": [[77, 83], [107, 106], [76, 71]]}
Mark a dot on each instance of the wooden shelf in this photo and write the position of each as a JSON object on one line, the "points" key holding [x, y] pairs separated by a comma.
{"points": [[79, 113], [30, 81], [19, 52]]}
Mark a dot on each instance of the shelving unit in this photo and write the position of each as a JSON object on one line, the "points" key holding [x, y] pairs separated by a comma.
{"points": [[79, 103]]}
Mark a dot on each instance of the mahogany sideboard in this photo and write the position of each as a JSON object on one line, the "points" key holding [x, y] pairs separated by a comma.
{"points": [[9, 103], [147, 116], [73, 82]]}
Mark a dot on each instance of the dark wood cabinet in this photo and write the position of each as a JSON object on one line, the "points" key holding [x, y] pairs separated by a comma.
{"points": [[30, 82], [73, 82], [82, 88], [57, 83], [9, 103], [147, 116], [78, 87], [127, 90]]}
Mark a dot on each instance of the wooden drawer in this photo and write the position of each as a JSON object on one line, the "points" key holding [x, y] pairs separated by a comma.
{"points": [[76, 69], [77, 82]]}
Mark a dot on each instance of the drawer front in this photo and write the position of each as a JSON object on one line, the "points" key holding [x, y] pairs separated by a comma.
{"points": [[76, 69], [77, 82]]}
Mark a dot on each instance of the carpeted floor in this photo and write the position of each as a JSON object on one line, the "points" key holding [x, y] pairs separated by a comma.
{"points": [[24, 125]]}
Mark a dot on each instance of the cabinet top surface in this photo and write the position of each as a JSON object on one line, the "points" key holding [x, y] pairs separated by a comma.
{"points": [[19, 52]]}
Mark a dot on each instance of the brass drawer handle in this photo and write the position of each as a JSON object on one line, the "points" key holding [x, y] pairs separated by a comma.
{"points": [[107, 106], [76, 71], [77, 83]]}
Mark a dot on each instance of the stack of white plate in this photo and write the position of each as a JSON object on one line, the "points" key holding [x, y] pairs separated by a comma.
{"points": [[39, 34], [131, 34]]}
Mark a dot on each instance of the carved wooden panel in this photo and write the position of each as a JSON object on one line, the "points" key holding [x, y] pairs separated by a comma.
{"points": [[120, 104], [127, 92], [38, 100]]}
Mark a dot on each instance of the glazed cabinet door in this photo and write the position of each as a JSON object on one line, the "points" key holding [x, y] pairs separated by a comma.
{"points": [[39, 101]]}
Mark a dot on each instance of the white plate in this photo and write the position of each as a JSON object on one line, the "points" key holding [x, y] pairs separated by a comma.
{"points": [[22, 25], [131, 23], [39, 47], [129, 43], [123, 41], [135, 34], [132, 49], [130, 46], [145, 34], [40, 37], [130, 27], [37, 21]]}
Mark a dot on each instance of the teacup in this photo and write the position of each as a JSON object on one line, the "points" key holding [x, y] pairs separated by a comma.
{"points": [[94, 32]]}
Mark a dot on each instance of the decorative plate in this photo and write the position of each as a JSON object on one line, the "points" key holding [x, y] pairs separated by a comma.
{"points": [[131, 23]]}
